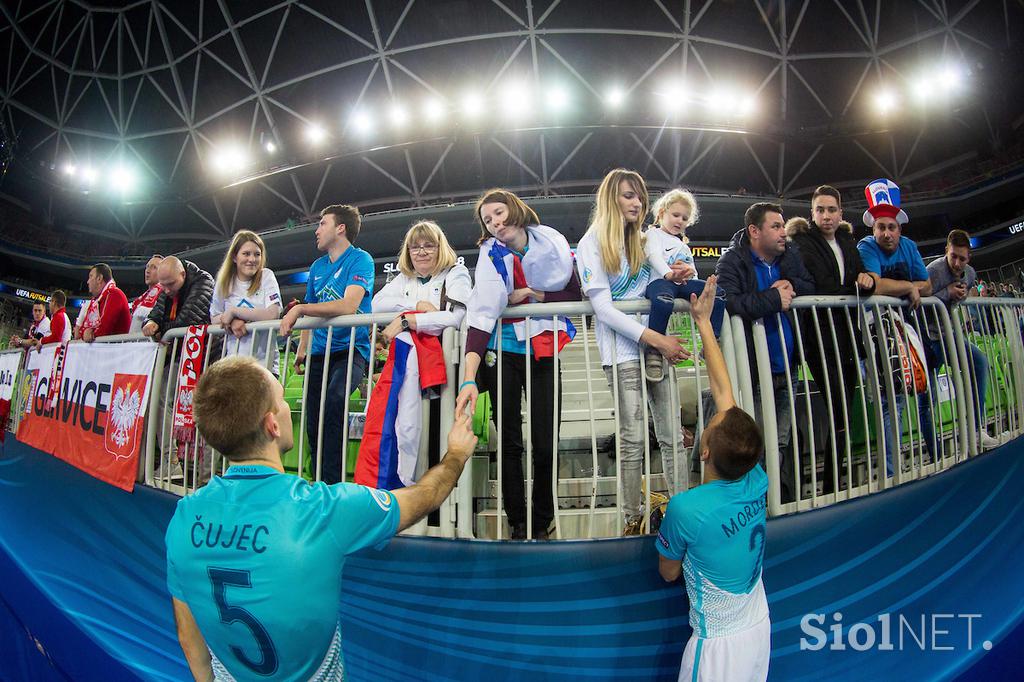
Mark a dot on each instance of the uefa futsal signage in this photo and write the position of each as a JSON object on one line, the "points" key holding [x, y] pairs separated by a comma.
{"points": [[34, 296]]}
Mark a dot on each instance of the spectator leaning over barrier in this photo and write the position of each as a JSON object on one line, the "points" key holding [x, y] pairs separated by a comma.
{"points": [[185, 300], [247, 291], [714, 534], [829, 252], [953, 280], [141, 306], [895, 263], [760, 275], [107, 313], [255, 559], [520, 261], [431, 292], [340, 283], [674, 274], [39, 328], [60, 325], [614, 267]]}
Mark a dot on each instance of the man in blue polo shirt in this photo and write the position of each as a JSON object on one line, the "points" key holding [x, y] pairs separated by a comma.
{"points": [[255, 559], [714, 534], [340, 283]]}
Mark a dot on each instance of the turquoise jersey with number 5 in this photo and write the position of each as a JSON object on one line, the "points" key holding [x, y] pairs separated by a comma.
{"points": [[258, 557], [717, 530]]}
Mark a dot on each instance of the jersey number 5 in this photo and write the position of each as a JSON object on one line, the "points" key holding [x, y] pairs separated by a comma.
{"points": [[220, 578]]}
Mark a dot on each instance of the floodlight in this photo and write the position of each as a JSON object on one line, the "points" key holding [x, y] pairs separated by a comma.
{"points": [[69, 169], [614, 97], [557, 98], [398, 115], [885, 101], [122, 179], [315, 133], [362, 122], [433, 110], [472, 105]]}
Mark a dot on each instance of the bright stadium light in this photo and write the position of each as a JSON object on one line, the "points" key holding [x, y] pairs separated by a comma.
{"points": [[722, 101], [88, 175], [472, 105], [614, 97], [315, 133], [672, 95], [557, 98], [885, 101], [433, 110], [230, 159], [398, 115], [362, 122], [515, 97], [270, 147], [122, 179], [70, 169], [952, 77]]}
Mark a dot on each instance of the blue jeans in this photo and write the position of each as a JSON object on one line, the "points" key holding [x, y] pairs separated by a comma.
{"points": [[333, 453], [662, 294], [980, 363], [927, 429]]}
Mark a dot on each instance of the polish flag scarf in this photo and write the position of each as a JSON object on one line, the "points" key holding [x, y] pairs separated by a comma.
{"points": [[193, 348], [147, 299]]}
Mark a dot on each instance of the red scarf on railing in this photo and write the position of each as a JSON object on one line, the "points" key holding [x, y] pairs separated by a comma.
{"points": [[92, 313], [193, 348]]}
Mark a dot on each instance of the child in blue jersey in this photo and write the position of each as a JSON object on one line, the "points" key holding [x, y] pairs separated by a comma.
{"points": [[714, 535], [340, 283], [255, 559], [673, 272]]}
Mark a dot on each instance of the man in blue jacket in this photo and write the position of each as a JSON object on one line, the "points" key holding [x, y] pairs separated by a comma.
{"points": [[760, 274]]}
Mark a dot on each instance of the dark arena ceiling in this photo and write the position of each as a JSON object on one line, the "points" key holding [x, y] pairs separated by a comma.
{"points": [[154, 121]]}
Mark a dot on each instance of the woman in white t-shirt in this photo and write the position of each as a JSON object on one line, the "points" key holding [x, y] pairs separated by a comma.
{"points": [[247, 291], [613, 267]]}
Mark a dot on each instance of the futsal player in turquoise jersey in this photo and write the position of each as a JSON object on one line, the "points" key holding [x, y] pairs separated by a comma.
{"points": [[714, 535], [255, 559]]}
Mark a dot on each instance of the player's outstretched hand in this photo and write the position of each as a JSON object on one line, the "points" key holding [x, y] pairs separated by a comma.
{"points": [[461, 439], [701, 306]]}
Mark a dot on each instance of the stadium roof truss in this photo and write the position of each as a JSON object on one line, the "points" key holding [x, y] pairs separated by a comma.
{"points": [[162, 86]]}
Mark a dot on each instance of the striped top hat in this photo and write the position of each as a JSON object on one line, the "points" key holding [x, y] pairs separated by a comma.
{"points": [[883, 197]]}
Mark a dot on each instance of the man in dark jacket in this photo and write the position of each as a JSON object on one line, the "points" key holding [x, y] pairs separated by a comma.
{"points": [[760, 276], [185, 300], [829, 252]]}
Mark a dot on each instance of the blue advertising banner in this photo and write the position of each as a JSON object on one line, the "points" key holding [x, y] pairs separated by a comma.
{"points": [[921, 583]]}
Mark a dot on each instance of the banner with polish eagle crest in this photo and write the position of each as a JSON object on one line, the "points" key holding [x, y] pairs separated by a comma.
{"points": [[94, 419]]}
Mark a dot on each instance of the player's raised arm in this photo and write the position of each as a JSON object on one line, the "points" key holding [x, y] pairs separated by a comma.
{"points": [[718, 375]]}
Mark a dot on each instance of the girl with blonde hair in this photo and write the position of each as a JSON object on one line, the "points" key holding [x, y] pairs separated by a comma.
{"points": [[614, 267], [674, 272], [247, 291]]}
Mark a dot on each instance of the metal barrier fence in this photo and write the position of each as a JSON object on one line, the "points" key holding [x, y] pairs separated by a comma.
{"points": [[836, 415]]}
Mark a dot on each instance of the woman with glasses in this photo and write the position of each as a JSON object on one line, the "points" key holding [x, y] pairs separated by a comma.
{"points": [[430, 293]]}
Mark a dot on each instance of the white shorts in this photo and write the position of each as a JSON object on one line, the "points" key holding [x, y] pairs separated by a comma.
{"points": [[742, 657]]}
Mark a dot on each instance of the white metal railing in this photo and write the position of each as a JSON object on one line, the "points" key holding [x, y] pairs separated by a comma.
{"points": [[586, 476]]}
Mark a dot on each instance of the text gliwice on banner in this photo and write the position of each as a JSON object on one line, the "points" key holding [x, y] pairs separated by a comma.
{"points": [[95, 421]]}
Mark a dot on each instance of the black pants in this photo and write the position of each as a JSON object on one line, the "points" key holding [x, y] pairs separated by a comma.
{"points": [[836, 367], [333, 454], [542, 425]]}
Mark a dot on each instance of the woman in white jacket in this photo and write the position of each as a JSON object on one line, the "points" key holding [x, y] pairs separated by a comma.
{"points": [[613, 266], [431, 292], [430, 282], [521, 261]]}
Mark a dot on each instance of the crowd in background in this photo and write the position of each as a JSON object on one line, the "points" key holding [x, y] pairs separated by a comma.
{"points": [[622, 257]]}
